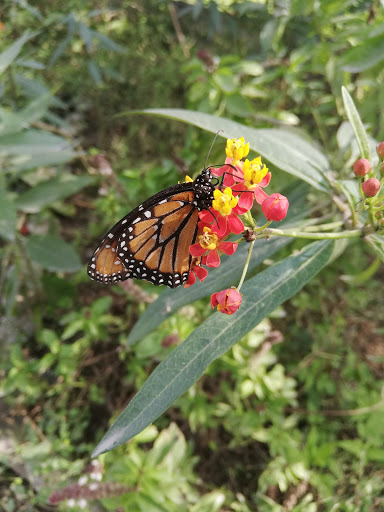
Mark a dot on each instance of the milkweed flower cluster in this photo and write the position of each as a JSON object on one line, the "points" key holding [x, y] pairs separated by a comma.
{"points": [[371, 187], [242, 183]]}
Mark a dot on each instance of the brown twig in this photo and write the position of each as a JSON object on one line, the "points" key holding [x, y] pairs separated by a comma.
{"points": [[179, 33]]}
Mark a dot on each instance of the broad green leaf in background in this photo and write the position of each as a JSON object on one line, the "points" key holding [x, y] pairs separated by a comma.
{"points": [[12, 122], [25, 162], [357, 125], [224, 276], [52, 253], [284, 149], [49, 191], [364, 56], [10, 54], [33, 148], [7, 216], [377, 244], [184, 365], [32, 142]]}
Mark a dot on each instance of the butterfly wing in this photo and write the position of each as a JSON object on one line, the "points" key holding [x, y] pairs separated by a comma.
{"points": [[151, 242]]}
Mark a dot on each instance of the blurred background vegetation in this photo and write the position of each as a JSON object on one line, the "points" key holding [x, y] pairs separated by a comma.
{"points": [[291, 418]]}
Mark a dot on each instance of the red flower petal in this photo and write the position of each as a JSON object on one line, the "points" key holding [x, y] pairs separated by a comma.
{"points": [[246, 200], [260, 195], [213, 259], [227, 247], [234, 224], [265, 181], [191, 280], [201, 272], [196, 250]]}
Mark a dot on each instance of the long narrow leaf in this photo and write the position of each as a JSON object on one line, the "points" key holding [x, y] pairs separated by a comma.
{"points": [[357, 125], [10, 54], [186, 364], [284, 149]]}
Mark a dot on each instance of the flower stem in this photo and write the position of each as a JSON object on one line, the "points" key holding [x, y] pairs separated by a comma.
{"points": [[352, 233], [245, 266]]}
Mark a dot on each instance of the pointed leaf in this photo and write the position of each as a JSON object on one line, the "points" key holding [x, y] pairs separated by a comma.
{"points": [[357, 125], [52, 253], [364, 56], [49, 191], [7, 216], [377, 244], [284, 149], [10, 54], [184, 365]]}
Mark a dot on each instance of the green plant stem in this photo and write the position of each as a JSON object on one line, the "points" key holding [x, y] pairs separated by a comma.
{"points": [[353, 233], [324, 227], [361, 188], [250, 219], [245, 266]]}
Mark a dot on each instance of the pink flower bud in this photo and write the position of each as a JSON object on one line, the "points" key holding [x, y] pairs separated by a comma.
{"points": [[227, 301], [380, 150], [275, 207], [371, 187], [361, 167]]}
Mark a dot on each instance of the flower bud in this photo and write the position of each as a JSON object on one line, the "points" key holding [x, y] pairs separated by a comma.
{"points": [[380, 150], [227, 301], [275, 207], [361, 167], [371, 187]]}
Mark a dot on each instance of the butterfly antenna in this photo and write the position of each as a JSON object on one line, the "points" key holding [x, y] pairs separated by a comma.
{"points": [[210, 149]]}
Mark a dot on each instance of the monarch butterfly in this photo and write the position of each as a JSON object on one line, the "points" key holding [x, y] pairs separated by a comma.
{"points": [[152, 242]]}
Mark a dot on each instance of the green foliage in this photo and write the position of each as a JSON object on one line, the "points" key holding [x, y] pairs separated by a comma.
{"points": [[270, 414]]}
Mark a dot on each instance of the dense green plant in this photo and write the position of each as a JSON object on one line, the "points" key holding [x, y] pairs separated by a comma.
{"points": [[290, 417]]}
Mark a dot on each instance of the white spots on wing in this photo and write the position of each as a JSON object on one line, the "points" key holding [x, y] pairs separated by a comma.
{"points": [[136, 220], [110, 235], [147, 214]]}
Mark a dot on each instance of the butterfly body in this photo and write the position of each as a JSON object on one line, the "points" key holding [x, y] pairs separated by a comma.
{"points": [[152, 242]]}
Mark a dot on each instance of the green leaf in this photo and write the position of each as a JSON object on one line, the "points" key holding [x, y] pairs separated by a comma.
{"points": [[377, 244], [357, 125], [369, 53], [7, 216], [13, 122], [10, 54], [224, 276], [219, 278], [284, 149], [184, 365], [350, 189], [43, 194], [32, 142], [52, 253], [25, 162]]}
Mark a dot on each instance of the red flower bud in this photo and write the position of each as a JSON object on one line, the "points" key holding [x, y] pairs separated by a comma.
{"points": [[371, 187], [361, 167], [227, 301], [380, 150], [275, 207]]}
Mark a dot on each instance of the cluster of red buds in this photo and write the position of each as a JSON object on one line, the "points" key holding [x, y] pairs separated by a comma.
{"points": [[371, 188], [243, 183]]}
